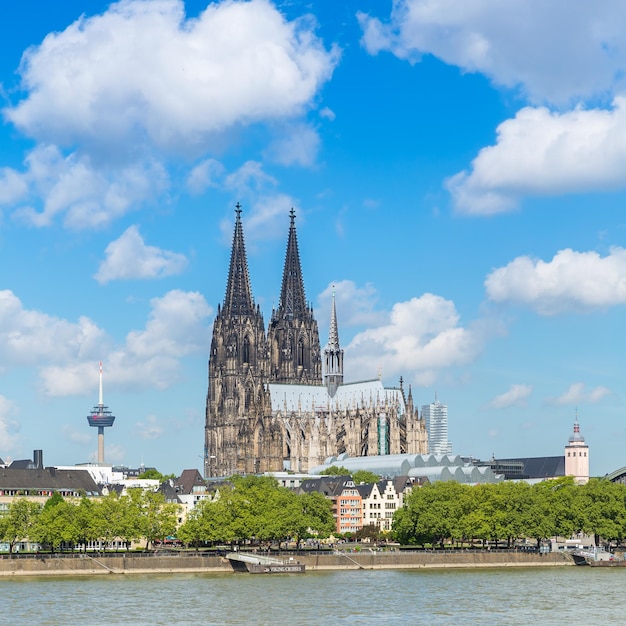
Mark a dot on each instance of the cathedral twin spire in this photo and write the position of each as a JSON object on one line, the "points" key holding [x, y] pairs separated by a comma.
{"points": [[292, 337], [238, 300], [292, 301]]}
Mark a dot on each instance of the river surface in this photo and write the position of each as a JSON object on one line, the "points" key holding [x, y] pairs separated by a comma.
{"points": [[550, 595]]}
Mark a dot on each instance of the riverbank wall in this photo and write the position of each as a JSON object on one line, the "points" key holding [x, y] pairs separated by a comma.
{"points": [[133, 563]]}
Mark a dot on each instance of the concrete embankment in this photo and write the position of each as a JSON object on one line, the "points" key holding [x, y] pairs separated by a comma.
{"points": [[77, 565], [436, 559]]}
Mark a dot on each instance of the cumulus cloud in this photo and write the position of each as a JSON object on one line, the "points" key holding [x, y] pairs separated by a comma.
{"points": [[297, 146], [29, 337], [129, 257], [420, 337], [70, 186], [540, 152], [79, 437], [149, 428], [13, 186], [266, 217], [112, 97], [150, 358], [356, 306], [576, 394], [207, 173], [517, 395], [571, 281], [67, 353], [555, 51], [175, 325], [141, 72], [9, 428]]}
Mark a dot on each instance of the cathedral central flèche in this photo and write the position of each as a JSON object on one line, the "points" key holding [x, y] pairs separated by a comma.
{"points": [[275, 401]]}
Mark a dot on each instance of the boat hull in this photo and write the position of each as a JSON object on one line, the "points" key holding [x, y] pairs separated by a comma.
{"points": [[288, 568]]}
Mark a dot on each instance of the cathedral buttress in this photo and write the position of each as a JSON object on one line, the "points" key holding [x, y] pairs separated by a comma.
{"points": [[293, 337]]}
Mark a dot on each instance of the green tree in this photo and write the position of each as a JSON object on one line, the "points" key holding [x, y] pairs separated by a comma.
{"points": [[85, 522], [19, 522], [335, 470], [153, 474], [363, 477], [131, 524], [108, 514], [601, 506], [56, 523], [432, 513], [160, 518]]}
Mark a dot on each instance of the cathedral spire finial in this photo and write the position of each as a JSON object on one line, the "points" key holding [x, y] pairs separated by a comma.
{"points": [[333, 331], [238, 299], [292, 301]]}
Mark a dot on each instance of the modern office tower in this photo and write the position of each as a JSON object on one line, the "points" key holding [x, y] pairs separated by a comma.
{"points": [[435, 415]]}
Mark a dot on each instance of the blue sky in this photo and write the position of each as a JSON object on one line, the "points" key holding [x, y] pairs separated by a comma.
{"points": [[458, 172]]}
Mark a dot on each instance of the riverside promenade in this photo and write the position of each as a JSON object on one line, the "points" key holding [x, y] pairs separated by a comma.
{"points": [[190, 562]]}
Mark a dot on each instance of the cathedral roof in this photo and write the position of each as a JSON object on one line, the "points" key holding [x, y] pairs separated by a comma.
{"points": [[238, 300], [366, 394]]}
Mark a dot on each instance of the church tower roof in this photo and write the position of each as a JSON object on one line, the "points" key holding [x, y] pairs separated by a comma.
{"points": [[333, 332], [292, 301], [576, 436], [238, 300]]}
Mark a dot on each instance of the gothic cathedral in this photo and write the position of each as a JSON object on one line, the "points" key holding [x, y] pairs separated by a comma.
{"points": [[271, 405]]}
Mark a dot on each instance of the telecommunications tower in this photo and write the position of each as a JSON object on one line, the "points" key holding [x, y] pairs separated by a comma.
{"points": [[100, 418]]}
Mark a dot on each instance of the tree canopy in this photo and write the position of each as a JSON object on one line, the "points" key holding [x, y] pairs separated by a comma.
{"points": [[450, 511]]}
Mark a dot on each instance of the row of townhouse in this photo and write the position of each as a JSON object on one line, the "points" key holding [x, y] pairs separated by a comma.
{"points": [[356, 506]]}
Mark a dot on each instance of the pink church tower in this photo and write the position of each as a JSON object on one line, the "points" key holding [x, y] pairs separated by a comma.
{"points": [[577, 456]]}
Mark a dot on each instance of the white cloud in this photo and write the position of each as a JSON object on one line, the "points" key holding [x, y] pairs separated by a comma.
{"points": [[356, 306], [29, 337], [556, 51], [129, 257], [9, 428], [13, 187], [175, 327], [79, 437], [143, 73], [576, 395], [149, 428], [327, 114], [114, 454], [515, 396], [86, 197], [206, 174], [540, 152], [267, 217], [149, 359], [249, 179], [571, 281], [298, 145], [421, 337]]}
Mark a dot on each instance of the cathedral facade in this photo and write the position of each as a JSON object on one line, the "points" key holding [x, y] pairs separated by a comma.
{"points": [[275, 401]]}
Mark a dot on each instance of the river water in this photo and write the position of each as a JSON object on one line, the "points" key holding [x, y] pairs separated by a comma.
{"points": [[551, 595]]}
